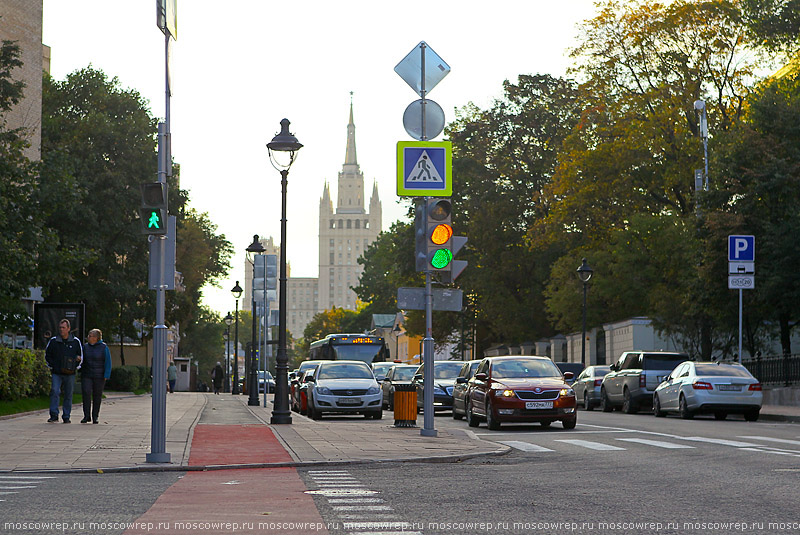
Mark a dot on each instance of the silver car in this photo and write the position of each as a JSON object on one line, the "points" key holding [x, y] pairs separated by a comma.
{"points": [[344, 386], [587, 386], [709, 387]]}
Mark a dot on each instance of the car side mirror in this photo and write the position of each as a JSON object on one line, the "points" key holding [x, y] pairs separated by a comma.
{"points": [[418, 377], [310, 380], [613, 367], [461, 380], [387, 380], [568, 375], [481, 376]]}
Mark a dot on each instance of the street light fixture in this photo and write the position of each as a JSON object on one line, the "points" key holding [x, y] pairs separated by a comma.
{"points": [[237, 293], [227, 336], [585, 273], [282, 146], [253, 249]]}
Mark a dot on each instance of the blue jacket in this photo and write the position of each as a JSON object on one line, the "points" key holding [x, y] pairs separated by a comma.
{"points": [[64, 356], [96, 361]]}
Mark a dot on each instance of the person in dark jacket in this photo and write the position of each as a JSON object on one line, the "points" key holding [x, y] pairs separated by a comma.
{"points": [[95, 371], [216, 377], [63, 355]]}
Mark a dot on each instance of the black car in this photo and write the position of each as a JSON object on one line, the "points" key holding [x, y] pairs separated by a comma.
{"points": [[398, 374], [444, 378], [460, 392], [575, 367]]}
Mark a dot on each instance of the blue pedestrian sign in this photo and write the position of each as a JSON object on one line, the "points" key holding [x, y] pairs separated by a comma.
{"points": [[741, 248], [424, 169]]}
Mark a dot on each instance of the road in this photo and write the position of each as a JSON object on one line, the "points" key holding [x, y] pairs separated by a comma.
{"points": [[614, 473]]}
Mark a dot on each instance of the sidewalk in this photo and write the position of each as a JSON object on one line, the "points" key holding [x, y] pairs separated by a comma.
{"points": [[122, 439]]}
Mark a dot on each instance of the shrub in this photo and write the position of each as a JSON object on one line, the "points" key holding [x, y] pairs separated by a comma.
{"points": [[125, 379], [23, 373]]}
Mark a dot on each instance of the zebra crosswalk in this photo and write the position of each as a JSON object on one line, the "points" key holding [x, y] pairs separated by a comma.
{"points": [[13, 484]]}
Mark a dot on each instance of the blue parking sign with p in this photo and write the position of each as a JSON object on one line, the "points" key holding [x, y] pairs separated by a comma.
{"points": [[741, 248]]}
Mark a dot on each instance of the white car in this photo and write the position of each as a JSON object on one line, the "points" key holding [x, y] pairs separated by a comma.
{"points": [[709, 387], [344, 386]]}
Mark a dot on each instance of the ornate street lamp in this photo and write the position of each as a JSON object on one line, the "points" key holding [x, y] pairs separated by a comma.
{"points": [[253, 249], [282, 152], [237, 293], [227, 336], [585, 273]]}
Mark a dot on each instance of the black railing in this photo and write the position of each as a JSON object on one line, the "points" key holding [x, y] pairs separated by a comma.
{"points": [[781, 370]]}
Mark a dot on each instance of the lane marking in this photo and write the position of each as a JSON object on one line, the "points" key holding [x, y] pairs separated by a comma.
{"points": [[386, 533], [45, 477], [721, 442], [13, 488], [339, 485], [770, 439], [361, 508], [592, 445], [775, 452], [524, 446], [380, 524], [657, 443], [342, 492], [356, 500]]}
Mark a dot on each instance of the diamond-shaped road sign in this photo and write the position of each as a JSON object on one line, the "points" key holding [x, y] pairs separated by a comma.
{"points": [[410, 68]]}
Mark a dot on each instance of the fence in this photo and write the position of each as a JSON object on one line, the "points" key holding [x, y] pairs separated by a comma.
{"points": [[781, 370]]}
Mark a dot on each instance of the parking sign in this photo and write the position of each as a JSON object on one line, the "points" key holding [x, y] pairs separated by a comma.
{"points": [[741, 248]]}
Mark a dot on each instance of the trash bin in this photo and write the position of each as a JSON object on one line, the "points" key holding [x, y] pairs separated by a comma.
{"points": [[405, 405]]}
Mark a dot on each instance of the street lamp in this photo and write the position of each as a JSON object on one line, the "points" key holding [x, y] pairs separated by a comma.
{"points": [[227, 337], [237, 293], [585, 273], [284, 142], [700, 108], [253, 249]]}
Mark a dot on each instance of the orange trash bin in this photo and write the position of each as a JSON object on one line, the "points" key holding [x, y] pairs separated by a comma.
{"points": [[405, 405]]}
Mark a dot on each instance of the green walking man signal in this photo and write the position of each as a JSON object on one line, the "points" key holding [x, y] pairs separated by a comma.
{"points": [[153, 211]]}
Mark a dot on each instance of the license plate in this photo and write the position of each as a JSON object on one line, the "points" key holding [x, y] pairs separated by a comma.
{"points": [[730, 388], [349, 401], [538, 404]]}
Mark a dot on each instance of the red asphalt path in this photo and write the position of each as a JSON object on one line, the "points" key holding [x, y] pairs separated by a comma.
{"points": [[261, 500]]}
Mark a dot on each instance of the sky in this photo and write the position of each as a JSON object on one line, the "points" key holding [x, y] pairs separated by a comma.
{"points": [[237, 72]]}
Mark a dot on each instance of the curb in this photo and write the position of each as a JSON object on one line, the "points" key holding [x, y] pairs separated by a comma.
{"points": [[779, 418]]}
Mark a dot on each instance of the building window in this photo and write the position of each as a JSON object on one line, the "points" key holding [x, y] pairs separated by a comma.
{"points": [[341, 224], [333, 225], [331, 262], [349, 223], [358, 223], [366, 224]]}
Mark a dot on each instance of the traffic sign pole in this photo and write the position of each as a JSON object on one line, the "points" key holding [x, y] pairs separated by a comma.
{"points": [[741, 266]]}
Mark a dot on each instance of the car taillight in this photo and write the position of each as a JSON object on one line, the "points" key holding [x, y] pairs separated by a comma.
{"points": [[702, 385], [755, 387], [642, 381], [598, 382]]}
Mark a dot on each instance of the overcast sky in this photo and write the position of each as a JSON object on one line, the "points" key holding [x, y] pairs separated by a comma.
{"points": [[238, 68]]}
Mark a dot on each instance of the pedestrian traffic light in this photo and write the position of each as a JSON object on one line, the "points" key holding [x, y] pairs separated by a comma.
{"points": [[420, 238], [441, 244], [153, 211]]}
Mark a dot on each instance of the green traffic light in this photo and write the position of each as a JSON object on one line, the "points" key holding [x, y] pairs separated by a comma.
{"points": [[441, 258], [155, 219]]}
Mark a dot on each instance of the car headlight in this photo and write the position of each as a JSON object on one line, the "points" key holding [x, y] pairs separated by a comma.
{"points": [[437, 390], [504, 393], [324, 391], [373, 390], [567, 392]]}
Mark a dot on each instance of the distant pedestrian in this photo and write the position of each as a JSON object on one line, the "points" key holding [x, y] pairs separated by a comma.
{"points": [[172, 376], [63, 354], [216, 377], [95, 371]]}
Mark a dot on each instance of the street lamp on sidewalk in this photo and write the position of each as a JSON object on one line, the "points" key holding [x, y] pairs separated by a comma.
{"points": [[285, 147], [227, 336], [237, 293], [253, 249], [585, 273]]}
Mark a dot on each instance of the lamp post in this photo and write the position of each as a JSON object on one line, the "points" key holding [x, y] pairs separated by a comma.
{"points": [[237, 293], [585, 273], [284, 142], [700, 108], [227, 336], [253, 249]]}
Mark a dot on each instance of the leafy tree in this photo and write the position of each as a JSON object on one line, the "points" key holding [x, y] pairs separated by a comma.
{"points": [[775, 23]]}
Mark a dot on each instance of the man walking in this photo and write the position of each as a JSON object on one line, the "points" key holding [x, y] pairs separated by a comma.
{"points": [[63, 354]]}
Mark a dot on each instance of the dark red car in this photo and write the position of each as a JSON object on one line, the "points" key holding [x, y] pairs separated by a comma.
{"points": [[520, 389], [297, 394]]}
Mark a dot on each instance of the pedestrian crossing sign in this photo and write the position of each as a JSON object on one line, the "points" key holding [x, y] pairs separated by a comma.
{"points": [[424, 169]]}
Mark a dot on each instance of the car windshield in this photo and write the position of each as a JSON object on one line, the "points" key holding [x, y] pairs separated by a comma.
{"points": [[404, 373], [654, 361], [523, 368], [381, 369], [261, 375], [725, 370], [344, 370], [446, 370], [364, 352], [601, 371]]}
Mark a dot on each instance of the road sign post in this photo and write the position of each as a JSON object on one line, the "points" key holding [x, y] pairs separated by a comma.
{"points": [[741, 270]]}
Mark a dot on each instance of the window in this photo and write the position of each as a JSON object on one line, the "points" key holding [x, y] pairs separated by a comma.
{"points": [[358, 223], [333, 225], [349, 223], [341, 223]]}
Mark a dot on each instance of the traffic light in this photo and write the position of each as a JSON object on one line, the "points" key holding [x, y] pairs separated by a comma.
{"points": [[153, 211], [421, 238], [441, 244]]}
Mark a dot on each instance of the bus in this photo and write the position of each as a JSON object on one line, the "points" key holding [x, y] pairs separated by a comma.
{"points": [[364, 347]]}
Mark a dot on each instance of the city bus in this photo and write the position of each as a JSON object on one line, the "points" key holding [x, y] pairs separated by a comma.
{"points": [[364, 347]]}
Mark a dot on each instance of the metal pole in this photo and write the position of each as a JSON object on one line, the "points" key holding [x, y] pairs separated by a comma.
{"points": [[252, 400], [267, 347], [423, 92], [227, 385], [740, 325], [235, 386], [280, 403], [583, 337]]}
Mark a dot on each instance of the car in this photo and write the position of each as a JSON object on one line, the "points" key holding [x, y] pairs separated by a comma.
{"points": [[398, 374], [302, 392], [574, 367], [344, 387], [520, 388], [460, 388], [631, 381], [587, 386], [381, 368], [295, 401], [265, 380], [709, 388], [444, 378]]}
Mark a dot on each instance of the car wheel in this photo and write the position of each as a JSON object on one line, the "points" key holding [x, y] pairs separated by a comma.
{"points": [[657, 412], [545, 423], [456, 415], [683, 408], [491, 420], [472, 420], [312, 412], [587, 405], [605, 403], [720, 415], [751, 416], [390, 405], [377, 415], [628, 406], [571, 423]]}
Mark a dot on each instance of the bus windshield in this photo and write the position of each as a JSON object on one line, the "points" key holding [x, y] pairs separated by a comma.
{"points": [[363, 352]]}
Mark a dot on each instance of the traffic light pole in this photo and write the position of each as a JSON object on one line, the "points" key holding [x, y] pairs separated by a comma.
{"points": [[427, 362]]}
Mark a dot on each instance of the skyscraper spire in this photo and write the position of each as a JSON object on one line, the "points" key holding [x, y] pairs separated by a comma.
{"points": [[350, 155]]}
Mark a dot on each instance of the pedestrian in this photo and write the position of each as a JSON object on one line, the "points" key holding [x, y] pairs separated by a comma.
{"points": [[95, 371], [216, 377], [172, 376], [63, 354]]}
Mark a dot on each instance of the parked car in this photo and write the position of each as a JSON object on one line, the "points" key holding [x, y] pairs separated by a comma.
{"points": [[302, 392], [444, 378], [265, 381], [398, 374], [295, 401], [587, 386], [574, 367], [634, 377], [345, 387], [520, 389], [380, 369], [460, 388], [709, 387]]}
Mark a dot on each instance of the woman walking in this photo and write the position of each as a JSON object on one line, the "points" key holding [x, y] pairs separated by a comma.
{"points": [[96, 369]]}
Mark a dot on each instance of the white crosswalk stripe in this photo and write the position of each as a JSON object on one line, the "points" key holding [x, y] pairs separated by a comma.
{"points": [[657, 443], [524, 446], [770, 439], [597, 446], [12, 484]]}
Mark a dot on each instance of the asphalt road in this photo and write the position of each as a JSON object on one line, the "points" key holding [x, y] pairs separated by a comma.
{"points": [[614, 473]]}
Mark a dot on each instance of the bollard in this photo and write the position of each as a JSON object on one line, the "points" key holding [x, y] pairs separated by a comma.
{"points": [[405, 405]]}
